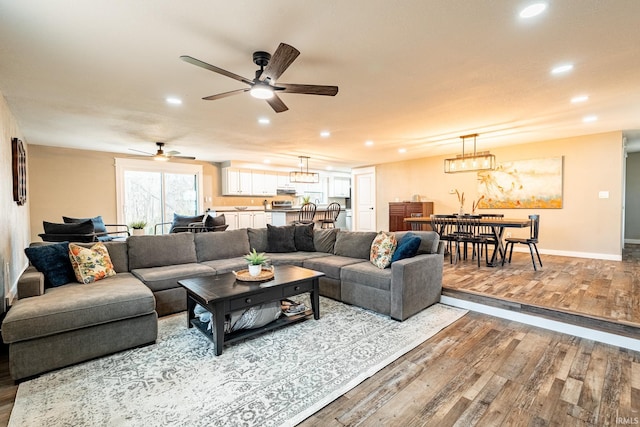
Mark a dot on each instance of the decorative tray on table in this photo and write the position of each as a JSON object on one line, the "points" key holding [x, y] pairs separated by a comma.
{"points": [[244, 276]]}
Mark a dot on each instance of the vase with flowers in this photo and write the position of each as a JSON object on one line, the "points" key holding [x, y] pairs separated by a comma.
{"points": [[474, 204], [461, 201]]}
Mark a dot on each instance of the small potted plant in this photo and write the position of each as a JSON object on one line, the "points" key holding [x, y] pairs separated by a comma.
{"points": [[255, 261], [138, 227]]}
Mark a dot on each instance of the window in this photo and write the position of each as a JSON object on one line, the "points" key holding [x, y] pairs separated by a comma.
{"points": [[153, 191]]}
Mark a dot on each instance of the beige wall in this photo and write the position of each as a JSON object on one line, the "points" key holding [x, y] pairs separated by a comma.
{"points": [[585, 226], [14, 219], [82, 183]]}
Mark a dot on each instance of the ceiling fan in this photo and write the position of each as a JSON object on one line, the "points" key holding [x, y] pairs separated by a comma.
{"points": [[264, 85], [161, 155]]}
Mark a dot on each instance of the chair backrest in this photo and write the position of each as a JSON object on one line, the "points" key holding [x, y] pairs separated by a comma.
{"points": [[535, 227], [467, 225], [307, 212], [444, 225], [332, 212]]}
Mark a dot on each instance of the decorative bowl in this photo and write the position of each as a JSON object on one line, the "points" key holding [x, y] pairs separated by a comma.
{"points": [[240, 208]]}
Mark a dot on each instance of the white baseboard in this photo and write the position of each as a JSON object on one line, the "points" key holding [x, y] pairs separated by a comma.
{"points": [[593, 255], [632, 241], [552, 325]]}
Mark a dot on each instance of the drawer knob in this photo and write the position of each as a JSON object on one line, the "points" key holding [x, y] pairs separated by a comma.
{"points": [[296, 288], [248, 300]]}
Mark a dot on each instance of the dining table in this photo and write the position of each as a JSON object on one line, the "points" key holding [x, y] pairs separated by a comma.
{"points": [[497, 226]]}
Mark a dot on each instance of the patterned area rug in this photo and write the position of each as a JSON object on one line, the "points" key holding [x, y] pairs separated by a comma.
{"points": [[276, 379]]}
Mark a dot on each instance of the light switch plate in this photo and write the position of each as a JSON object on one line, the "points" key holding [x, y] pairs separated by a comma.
{"points": [[603, 195]]}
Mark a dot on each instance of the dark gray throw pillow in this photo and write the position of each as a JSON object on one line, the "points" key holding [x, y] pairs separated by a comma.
{"points": [[84, 227], [324, 239], [281, 239], [183, 221], [214, 221], [53, 262], [303, 238]]}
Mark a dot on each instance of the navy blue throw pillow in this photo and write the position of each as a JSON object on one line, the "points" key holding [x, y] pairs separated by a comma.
{"points": [[407, 247], [52, 261]]}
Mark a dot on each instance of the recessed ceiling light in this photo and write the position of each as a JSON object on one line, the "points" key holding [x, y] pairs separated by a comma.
{"points": [[264, 121], [368, 143], [579, 98], [329, 168], [402, 150], [266, 161], [325, 134], [174, 101], [560, 69], [533, 10], [589, 119]]}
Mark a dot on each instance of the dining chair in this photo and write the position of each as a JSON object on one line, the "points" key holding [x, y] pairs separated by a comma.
{"points": [[532, 241], [467, 232], [330, 215], [445, 226], [414, 225], [487, 232], [307, 214]]}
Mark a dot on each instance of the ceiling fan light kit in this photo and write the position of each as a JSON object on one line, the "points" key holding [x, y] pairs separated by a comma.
{"points": [[303, 176], [477, 161], [162, 156], [263, 85]]}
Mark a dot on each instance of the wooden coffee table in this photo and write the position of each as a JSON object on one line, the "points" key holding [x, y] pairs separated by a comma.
{"points": [[222, 293]]}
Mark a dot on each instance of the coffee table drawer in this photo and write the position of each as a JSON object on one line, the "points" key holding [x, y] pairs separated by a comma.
{"points": [[251, 300], [296, 289]]}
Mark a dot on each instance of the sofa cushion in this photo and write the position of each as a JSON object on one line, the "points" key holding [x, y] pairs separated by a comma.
{"points": [[293, 258], [303, 237], [75, 306], [222, 244], [90, 264], [324, 239], [382, 249], [183, 222], [407, 247], [330, 265], [281, 239], [258, 238], [157, 251], [227, 265], [52, 260], [356, 244], [367, 274], [161, 278]]}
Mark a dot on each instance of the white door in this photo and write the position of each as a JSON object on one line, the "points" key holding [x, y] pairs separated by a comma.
{"points": [[364, 202]]}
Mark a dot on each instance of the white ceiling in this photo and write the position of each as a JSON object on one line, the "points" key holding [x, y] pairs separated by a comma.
{"points": [[414, 74]]}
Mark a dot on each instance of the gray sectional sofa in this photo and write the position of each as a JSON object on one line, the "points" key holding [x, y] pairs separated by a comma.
{"points": [[50, 328]]}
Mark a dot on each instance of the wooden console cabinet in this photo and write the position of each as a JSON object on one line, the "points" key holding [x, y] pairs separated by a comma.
{"points": [[398, 211]]}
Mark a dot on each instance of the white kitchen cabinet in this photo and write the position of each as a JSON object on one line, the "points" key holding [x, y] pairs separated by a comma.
{"points": [[231, 218], [252, 219], [236, 182], [283, 180], [339, 187], [264, 183]]}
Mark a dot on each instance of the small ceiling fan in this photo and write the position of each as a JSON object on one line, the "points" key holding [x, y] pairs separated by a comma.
{"points": [[161, 155], [264, 85]]}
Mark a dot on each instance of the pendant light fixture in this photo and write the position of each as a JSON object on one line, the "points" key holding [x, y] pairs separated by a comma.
{"points": [[304, 176], [470, 162]]}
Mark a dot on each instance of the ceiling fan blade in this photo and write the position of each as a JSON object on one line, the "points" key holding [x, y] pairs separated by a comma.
{"points": [[215, 69], [279, 62], [309, 89], [143, 152], [277, 104], [225, 94], [182, 157]]}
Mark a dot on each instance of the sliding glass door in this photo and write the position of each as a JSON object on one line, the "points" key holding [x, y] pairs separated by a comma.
{"points": [[152, 192]]}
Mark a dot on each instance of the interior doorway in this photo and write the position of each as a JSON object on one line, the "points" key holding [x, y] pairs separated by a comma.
{"points": [[364, 199]]}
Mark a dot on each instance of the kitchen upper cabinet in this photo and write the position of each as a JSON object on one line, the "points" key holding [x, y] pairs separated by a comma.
{"points": [[283, 180], [236, 182], [264, 183], [339, 187]]}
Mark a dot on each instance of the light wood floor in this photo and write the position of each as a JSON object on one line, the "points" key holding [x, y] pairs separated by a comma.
{"points": [[485, 371]]}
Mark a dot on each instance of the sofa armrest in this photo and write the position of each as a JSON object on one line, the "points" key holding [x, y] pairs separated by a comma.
{"points": [[30, 283], [416, 283]]}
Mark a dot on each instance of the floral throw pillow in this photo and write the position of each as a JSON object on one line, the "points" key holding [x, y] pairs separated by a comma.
{"points": [[382, 249], [90, 264]]}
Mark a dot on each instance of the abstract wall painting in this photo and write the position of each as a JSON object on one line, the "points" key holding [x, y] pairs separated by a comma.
{"points": [[522, 184]]}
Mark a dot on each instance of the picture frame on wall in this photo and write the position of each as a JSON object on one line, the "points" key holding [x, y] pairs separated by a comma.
{"points": [[19, 164]]}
